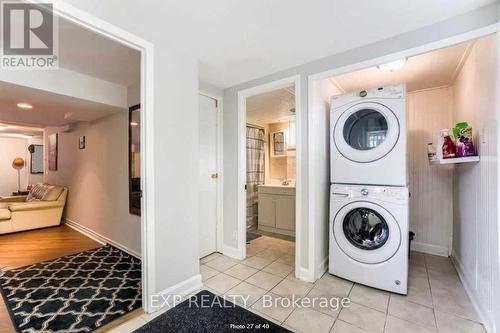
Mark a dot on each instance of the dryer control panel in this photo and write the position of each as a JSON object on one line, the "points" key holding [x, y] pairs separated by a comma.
{"points": [[397, 91]]}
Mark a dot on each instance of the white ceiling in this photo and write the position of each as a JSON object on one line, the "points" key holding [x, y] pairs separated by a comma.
{"points": [[49, 109], [236, 41], [80, 51], [271, 107], [434, 69], [89, 53]]}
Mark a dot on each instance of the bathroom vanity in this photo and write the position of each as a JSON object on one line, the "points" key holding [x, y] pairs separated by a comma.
{"points": [[277, 209]]}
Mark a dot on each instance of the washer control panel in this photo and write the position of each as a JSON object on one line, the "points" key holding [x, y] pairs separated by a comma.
{"points": [[396, 194]]}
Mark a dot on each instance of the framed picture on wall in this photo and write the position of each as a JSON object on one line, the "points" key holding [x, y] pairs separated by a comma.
{"points": [[53, 152], [278, 144]]}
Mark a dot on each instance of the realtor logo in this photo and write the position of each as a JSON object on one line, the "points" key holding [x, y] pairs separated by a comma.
{"points": [[29, 39]]}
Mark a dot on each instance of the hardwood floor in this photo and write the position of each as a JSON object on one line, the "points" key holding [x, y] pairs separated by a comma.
{"points": [[29, 247], [114, 326]]}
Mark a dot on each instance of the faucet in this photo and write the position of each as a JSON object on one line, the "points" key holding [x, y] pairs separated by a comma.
{"points": [[285, 182]]}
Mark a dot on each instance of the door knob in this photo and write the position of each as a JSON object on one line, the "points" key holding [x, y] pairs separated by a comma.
{"points": [[214, 176]]}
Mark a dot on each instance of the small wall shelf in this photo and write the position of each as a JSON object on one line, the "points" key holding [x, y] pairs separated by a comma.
{"points": [[456, 160]]}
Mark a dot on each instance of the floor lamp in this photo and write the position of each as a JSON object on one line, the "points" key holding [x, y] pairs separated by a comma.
{"points": [[18, 164]]}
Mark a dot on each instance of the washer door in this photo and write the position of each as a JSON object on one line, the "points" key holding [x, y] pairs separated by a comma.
{"points": [[366, 132], [366, 232]]}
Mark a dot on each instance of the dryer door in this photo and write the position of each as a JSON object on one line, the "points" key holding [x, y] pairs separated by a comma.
{"points": [[366, 132], [366, 232]]}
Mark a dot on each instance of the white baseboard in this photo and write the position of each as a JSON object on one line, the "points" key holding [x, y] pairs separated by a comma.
{"points": [[483, 313], [277, 231], [99, 238], [184, 288], [429, 249], [306, 275], [232, 252]]}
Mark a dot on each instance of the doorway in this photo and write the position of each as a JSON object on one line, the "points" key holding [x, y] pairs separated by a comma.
{"points": [[209, 174], [269, 170], [76, 20]]}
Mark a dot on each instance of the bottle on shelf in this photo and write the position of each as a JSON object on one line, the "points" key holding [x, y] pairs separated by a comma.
{"points": [[448, 146]]}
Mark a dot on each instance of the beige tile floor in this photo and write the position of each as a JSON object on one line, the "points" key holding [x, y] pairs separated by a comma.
{"points": [[436, 300]]}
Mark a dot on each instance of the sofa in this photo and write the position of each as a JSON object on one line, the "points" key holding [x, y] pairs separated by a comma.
{"points": [[42, 207]]}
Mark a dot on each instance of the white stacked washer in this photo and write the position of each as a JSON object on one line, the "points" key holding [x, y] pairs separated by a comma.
{"points": [[369, 194], [369, 235]]}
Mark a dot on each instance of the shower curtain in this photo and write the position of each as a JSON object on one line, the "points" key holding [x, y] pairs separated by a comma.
{"points": [[255, 172]]}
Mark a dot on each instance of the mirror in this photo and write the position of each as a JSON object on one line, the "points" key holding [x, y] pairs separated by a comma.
{"points": [[278, 144], [134, 139], [36, 158]]}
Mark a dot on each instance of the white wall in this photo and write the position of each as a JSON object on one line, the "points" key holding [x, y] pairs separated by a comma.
{"points": [[211, 90], [470, 21], [475, 227], [10, 148], [175, 154], [320, 170], [134, 94], [431, 186], [97, 178]]}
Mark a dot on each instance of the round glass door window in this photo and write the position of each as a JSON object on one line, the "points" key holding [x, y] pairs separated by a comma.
{"points": [[365, 129], [365, 229]]}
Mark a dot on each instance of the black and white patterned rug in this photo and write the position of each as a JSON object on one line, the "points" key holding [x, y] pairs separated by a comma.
{"points": [[77, 293]]}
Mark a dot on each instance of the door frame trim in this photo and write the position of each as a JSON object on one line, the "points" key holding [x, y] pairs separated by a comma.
{"points": [[88, 21], [220, 185], [240, 252]]}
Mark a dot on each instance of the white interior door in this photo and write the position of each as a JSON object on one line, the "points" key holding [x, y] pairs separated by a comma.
{"points": [[208, 175]]}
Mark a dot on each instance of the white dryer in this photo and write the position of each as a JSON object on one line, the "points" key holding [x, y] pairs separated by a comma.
{"points": [[368, 137], [369, 235]]}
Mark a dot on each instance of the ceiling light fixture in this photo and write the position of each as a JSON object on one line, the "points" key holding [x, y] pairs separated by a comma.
{"points": [[25, 106], [392, 66]]}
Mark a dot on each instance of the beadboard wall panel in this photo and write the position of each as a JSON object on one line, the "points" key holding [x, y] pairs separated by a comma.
{"points": [[431, 186], [475, 227]]}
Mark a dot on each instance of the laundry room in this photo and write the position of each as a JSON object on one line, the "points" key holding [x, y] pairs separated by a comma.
{"points": [[408, 149]]}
